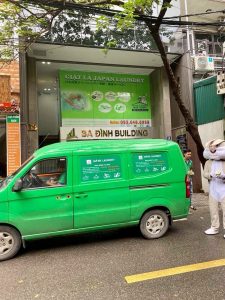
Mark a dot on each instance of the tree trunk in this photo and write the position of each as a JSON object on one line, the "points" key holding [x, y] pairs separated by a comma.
{"points": [[189, 121]]}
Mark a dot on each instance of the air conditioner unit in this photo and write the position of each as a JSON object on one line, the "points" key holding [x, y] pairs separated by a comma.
{"points": [[204, 63]]}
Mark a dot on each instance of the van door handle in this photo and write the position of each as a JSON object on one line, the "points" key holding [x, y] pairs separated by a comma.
{"points": [[63, 198], [81, 196]]}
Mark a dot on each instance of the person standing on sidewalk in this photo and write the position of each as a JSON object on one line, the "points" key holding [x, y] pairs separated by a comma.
{"points": [[214, 171], [189, 163]]}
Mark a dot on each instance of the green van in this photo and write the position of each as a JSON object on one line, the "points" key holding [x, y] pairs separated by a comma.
{"points": [[82, 186]]}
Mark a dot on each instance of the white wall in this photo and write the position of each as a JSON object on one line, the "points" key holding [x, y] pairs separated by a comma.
{"points": [[160, 105], [48, 114], [210, 131]]}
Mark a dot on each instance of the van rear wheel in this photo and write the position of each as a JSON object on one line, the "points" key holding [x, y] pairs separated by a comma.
{"points": [[154, 224], [10, 242]]}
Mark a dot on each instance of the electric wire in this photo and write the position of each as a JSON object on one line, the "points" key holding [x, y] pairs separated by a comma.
{"points": [[197, 14], [170, 25], [110, 12]]}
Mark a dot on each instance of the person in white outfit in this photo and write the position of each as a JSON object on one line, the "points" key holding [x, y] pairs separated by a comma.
{"points": [[214, 171]]}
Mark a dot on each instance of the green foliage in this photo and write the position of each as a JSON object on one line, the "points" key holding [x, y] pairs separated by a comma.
{"points": [[103, 22], [79, 28], [32, 21], [19, 19]]}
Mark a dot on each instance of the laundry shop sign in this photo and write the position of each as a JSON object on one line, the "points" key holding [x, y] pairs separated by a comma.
{"points": [[120, 101]]}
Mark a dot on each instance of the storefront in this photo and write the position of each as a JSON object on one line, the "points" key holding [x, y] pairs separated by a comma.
{"points": [[83, 93]]}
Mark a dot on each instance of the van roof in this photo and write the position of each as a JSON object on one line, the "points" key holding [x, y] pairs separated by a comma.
{"points": [[85, 145]]}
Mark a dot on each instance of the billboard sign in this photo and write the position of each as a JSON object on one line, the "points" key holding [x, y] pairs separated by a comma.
{"points": [[104, 99]]}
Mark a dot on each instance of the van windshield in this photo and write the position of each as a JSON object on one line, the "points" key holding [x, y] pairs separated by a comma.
{"points": [[7, 180]]}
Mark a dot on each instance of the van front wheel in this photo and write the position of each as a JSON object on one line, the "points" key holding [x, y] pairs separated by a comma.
{"points": [[154, 224], [10, 242]]}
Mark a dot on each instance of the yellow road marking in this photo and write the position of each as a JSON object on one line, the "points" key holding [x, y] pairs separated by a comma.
{"points": [[175, 271]]}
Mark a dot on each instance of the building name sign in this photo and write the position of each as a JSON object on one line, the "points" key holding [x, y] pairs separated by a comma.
{"points": [[71, 133]]}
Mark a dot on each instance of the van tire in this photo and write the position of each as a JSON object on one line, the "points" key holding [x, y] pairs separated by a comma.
{"points": [[154, 224], [10, 242]]}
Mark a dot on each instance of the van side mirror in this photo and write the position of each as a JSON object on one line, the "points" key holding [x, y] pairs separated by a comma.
{"points": [[18, 185]]}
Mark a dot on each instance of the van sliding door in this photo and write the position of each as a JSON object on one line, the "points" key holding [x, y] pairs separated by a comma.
{"points": [[101, 193]]}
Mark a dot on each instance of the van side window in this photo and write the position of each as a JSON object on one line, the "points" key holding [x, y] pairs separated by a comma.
{"points": [[100, 167], [149, 163], [46, 173]]}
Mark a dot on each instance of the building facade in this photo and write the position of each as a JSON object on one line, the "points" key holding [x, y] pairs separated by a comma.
{"points": [[203, 58], [112, 82]]}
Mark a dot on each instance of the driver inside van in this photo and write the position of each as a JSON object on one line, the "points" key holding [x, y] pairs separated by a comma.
{"points": [[59, 180]]}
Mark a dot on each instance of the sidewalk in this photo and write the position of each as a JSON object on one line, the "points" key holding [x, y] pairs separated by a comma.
{"points": [[200, 199]]}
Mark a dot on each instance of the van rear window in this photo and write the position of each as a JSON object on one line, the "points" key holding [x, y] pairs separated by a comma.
{"points": [[149, 163], [100, 167]]}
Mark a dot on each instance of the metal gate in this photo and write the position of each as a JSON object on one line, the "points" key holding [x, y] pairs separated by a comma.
{"points": [[209, 107]]}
